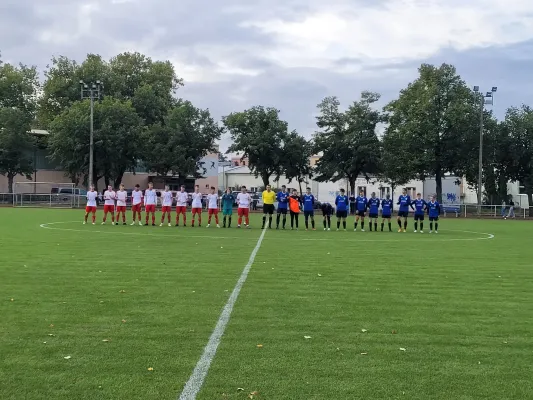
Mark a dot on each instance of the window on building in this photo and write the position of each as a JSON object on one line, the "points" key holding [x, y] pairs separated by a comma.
{"points": [[244, 163], [521, 189], [384, 191], [411, 191], [359, 188]]}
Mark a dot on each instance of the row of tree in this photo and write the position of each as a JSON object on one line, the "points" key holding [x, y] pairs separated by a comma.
{"points": [[430, 130]]}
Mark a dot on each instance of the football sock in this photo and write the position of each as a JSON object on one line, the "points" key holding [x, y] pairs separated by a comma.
{"points": [[229, 222], [400, 223], [431, 226], [313, 223], [390, 226], [404, 224], [338, 224], [284, 220], [264, 220], [421, 226], [416, 225], [329, 221], [324, 223], [382, 225], [362, 224], [355, 225], [270, 221], [344, 224], [306, 223], [436, 226], [277, 220], [375, 226]]}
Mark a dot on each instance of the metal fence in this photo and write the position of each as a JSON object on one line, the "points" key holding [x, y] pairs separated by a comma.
{"points": [[485, 211], [42, 200]]}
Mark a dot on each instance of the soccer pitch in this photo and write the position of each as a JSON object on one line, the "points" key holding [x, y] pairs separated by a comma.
{"points": [[125, 312]]}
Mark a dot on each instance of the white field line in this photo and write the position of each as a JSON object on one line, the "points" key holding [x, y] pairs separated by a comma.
{"points": [[196, 380]]}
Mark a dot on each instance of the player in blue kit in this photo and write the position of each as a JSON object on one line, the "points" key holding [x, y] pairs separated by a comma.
{"points": [[404, 201], [373, 211], [283, 205], [341, 203], [420, 206], [361, 204], [386, 212], [433, 208], [309, 208], [327, 212]]}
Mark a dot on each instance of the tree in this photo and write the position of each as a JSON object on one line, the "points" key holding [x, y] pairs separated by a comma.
{"points": [[18, 94], [394, 163], [296, 159], [518, 125], [177, 146], [259, 135], [15, 144], [435, 117], [117, 140], [348, 140]]}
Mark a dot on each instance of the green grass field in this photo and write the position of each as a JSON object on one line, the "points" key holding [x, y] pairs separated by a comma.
{"points": [[86, 311]]}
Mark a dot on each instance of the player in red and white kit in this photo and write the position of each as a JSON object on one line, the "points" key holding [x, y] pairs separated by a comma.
{"points": [[150, 201], [212, 207], [243, 200], [91, 204], [109, 204], [166, 200], [122, 195], [197, 205], [181, 205], [136, 204]]}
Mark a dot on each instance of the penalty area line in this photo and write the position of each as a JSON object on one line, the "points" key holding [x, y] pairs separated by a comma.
{"points": [[196, 380]]}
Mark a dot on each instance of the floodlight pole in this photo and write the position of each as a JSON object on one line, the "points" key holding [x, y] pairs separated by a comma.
{"points": [[482, 102], [91, 91]]}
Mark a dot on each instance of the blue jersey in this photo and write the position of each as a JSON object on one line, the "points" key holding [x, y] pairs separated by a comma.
{"points": [[419, 206], [362, 203], [404, 202], [283, 200], [373, 205], [386, 207], [433, 209], [309, 202], [341, 202]]}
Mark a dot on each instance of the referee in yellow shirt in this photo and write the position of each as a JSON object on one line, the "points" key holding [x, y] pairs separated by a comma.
{"points": [[268, 206]]}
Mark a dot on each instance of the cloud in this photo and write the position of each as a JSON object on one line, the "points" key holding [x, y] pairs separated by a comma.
{"points": [[286, 53]]}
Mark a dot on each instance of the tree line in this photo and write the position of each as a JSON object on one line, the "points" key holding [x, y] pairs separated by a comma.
{"points": [[431, 129]]}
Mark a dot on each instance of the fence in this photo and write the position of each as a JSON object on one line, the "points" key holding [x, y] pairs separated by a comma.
{"points": [[42, 200], [486, 211]]}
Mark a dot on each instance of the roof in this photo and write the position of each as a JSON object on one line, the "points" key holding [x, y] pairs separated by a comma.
{"points": [[244, 170], [39, 132]]}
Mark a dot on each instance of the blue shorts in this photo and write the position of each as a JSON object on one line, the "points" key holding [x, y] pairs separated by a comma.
{"points": [[419, 217], [386, 216], [433, 218], [373, 215], [403, 214], [342, 214], [310, 213]]}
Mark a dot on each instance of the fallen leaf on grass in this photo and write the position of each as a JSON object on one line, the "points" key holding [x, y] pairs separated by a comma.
{"points": [[259, 346], [122, 291], [221, 247], [319, 274], [364, 330], [402, 349], [51, 325], [106, 340], [251, 395], [51, 334], [504, 342], [307, 337], [12, 299], [123, 321], [67, 357], [44, 342], [364, 354], [150, 369], [240, 389], [394, 331]]}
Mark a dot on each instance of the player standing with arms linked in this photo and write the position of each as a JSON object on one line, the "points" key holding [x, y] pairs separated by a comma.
{"points": [[150, 201], [404, 201], [361, 203], [268, 206], [386, 212], [373, 211], [91, 205], [166, 205], [434, 212], [109, 204], [136, 204], [228, 199], [122, 195], [283, 204], [181, 206], [420, 207], [197, 205], [212, 207], [341, 204], [244, 200], [309, 208]]}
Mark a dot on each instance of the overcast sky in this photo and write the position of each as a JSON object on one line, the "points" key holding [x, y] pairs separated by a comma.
{"points": [[233, 54]]}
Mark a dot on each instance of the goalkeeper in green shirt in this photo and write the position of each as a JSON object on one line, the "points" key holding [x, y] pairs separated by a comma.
{"points": [[228, 199]]}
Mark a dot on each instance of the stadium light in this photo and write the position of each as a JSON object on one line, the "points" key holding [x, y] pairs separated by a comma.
{"points": [[484, 99], [93, 92]]}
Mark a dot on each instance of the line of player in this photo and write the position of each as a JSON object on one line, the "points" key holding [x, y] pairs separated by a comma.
{"points": [[116, 201], [288, 203]]}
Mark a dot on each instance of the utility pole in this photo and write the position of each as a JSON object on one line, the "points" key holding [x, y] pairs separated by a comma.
{"points": [[488, 99], [92, 92]]}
